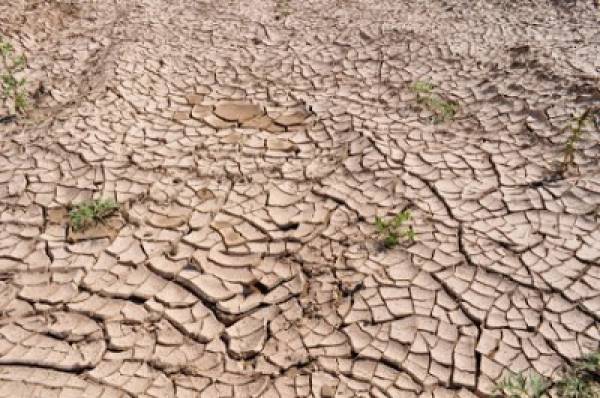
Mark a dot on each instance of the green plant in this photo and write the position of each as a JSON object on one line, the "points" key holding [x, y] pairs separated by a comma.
{"points": [[442, 109], [13, 88], [421, 87], [591, 115], [391, 231], [589, 363], [283, 7], [519, 386], [581, 380], [90, 212], [573, 386]]}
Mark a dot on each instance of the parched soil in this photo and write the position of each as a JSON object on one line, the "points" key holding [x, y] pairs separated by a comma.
{"points": [[251, 144]]}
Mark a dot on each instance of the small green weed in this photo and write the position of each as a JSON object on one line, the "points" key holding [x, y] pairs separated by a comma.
{"points": [[519, 386], [590, 115], [13, 88], [421, 87], [572, 386], [581, 380], [442, 109], [589, 363], [90, 212], [391, 231], [283, 7]]}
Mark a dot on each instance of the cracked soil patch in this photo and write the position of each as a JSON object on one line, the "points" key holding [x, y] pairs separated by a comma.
{"points": [[251, 145]]}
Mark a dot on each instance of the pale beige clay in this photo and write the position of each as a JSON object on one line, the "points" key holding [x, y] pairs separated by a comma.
{"points": [[250, 145]]}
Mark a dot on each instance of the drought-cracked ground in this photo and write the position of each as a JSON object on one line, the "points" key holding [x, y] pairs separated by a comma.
{"points": [[250, 145]]}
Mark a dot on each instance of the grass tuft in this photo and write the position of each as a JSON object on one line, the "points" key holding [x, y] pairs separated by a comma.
{"points": [[421, 87], [581, 380], [590, 115], [514, 385], [442, 109], [391, 231], [91, 212], [13, 88], [283, 7]]}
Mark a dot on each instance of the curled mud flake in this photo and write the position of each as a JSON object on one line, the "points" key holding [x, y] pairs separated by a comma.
{"points": [[237, 111], [246, 338]]}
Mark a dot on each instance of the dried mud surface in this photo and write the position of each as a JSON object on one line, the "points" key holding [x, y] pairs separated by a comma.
{"points": [[251, 144]]}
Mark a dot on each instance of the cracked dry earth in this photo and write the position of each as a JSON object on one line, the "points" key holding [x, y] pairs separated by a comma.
{"points": [[250, 145]]}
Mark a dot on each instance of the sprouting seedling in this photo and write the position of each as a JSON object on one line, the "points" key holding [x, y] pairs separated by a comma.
{"points": [[514, 385], [283, 7], [579, 380], [5, 48], [12, 87], [592, 115], [576, 386], [91, 212], [421, 87], [442, 109], [392, 231], [589, 363], [582, 380]]}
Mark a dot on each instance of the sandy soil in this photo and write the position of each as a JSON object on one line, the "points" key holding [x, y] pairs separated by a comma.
{"points": [[251, 146]]}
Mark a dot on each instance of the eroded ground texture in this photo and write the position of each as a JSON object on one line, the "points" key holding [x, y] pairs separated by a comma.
{"points": [[250, 145]]}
